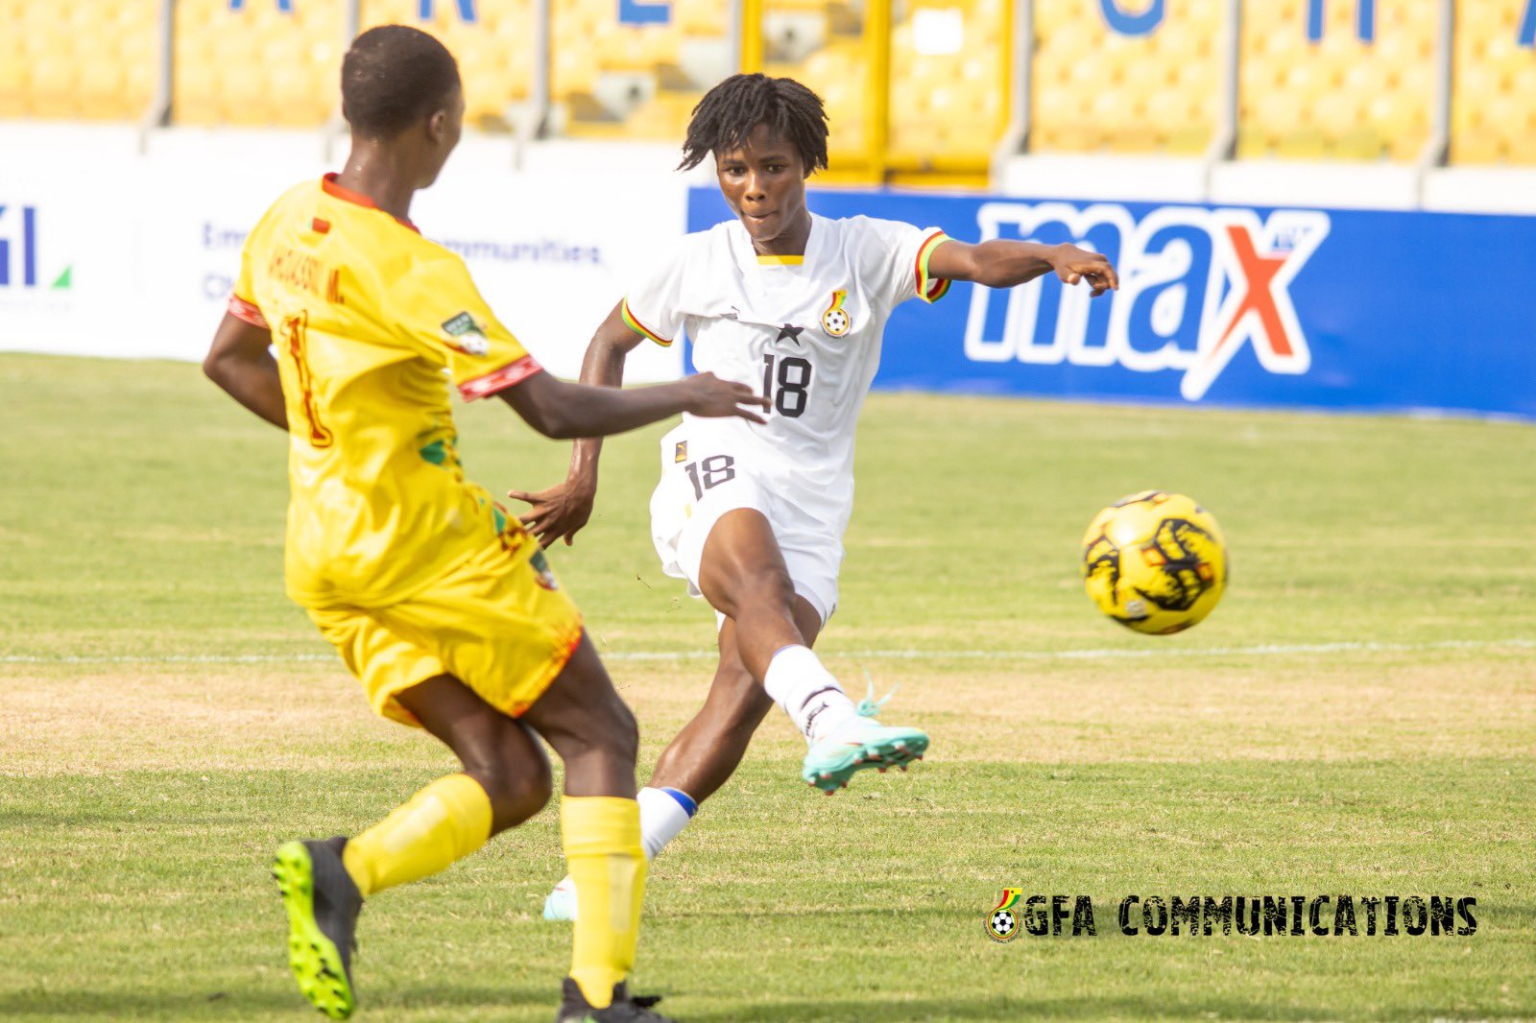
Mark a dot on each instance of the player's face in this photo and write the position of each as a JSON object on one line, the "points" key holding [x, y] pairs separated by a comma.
{"points": [[764, 184], [443, 131]]}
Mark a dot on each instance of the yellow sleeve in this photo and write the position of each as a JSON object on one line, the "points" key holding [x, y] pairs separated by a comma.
{"points": [[242, 300], [439, 309]]}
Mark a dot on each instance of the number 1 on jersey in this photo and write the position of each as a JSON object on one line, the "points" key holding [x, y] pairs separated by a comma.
{"points": [[294, 331], [794, 380]]}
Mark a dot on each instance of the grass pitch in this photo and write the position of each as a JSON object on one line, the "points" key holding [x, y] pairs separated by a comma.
{"points": [[1358, 717]]}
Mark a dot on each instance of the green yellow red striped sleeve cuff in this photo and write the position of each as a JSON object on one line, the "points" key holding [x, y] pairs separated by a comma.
{"points": [[928, 289], [640, 328]]}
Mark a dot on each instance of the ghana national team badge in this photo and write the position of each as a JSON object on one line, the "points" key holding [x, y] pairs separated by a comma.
{"points": [[836, 321], [1003, 920], [465, 335], [682, 452]]}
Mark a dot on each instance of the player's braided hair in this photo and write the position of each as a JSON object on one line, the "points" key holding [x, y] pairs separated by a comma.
{"points": [[729, 113], [394, 76]]}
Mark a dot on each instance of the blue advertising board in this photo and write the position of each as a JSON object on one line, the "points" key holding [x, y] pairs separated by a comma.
{"points": [[1237, 306]]}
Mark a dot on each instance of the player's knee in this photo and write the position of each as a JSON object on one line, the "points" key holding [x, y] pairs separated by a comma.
{"points": [[617, 735], [625, 733], [518, 789], [768, 588]]}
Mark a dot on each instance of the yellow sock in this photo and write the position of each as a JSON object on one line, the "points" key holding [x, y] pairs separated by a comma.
{"points": [[603, 854], [441, 824]]}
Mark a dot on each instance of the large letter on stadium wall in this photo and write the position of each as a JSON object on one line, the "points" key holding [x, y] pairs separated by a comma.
{"points": [[644, 12], [1132, 24], [1365, 20], [466, 11]]}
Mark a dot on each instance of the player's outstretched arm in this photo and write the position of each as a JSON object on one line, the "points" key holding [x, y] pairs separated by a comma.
{"points": [[559, 512], [1001, 263], [565, 411], [241, 363]]}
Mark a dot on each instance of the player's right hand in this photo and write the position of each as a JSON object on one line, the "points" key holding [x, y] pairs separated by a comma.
{"points": [[558, 512], [708, 395]]}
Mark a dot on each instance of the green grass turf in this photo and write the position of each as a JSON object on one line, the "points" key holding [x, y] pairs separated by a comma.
{"points": [[1359, 716]]}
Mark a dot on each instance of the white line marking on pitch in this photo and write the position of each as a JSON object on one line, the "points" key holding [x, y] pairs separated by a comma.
{"points": [[1266, 650]]}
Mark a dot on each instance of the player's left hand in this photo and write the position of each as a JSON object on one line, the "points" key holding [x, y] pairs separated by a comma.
{"points": [[556, 513], [1073, 265]]}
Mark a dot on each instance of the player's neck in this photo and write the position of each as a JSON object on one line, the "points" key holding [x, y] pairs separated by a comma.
{"points": [[380, 174], [791, 243]]}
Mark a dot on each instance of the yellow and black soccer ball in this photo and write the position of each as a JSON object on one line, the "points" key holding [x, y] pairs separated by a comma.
{"points": [[1155, 562]]}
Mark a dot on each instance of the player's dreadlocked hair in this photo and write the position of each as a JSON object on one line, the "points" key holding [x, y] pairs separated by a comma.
{"points": [[730, 111], [393, 76]]}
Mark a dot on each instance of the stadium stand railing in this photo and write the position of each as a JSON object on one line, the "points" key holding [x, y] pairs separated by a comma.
{"points": [[925, 91]]}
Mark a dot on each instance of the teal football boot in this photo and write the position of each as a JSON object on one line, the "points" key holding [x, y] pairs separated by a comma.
{"points": [[860, 744]]}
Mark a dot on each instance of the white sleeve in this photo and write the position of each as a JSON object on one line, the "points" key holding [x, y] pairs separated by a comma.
{"points": [[653, 308], [895, 258]]}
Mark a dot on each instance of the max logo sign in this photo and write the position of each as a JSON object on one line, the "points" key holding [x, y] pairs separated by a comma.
{"points": [[1196, 287]]}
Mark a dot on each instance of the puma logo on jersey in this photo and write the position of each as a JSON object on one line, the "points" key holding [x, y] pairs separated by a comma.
{"points": [[682, 451], [836, 321]]}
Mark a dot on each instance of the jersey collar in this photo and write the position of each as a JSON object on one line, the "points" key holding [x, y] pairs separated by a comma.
{"points": [[768, 264], [330, 187]]}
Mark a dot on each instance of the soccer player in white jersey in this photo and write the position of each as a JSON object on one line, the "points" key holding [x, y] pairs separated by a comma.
{"points": [[753, 516]]}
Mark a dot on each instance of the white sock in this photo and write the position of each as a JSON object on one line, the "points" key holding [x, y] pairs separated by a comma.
{"points": [[806, 690], [664, 813]]}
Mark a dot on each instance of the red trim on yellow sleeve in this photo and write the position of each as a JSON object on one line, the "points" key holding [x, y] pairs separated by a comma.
{"points": [[240, 309], [640, 328], [511, 374], [928, 289]]}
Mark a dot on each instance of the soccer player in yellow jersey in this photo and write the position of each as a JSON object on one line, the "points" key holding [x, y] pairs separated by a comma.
{"points": [[438, 601]]}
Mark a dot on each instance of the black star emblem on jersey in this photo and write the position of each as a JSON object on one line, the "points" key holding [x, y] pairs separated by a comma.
{"points": [[791, 332]]}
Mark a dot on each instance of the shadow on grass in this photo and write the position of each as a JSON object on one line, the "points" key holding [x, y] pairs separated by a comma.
{"points": [[147, 1005], [235, 1005], [876, 1010]]}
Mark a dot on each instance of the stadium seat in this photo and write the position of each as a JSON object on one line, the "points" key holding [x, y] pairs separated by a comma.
{"points": [[948, 107], [77, 59], [1095, 89], [614, 80], [256, 66], [1338, 98], [1493, 94], [495, 53]]}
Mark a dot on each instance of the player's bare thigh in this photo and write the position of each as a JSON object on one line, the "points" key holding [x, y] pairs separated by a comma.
{"points": [[743, 568]]}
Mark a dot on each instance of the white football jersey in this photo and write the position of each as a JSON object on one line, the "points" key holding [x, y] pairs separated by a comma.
{"points": [[805, 332]]}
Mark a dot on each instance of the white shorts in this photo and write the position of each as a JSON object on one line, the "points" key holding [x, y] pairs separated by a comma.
{"points": [[698, 486]]}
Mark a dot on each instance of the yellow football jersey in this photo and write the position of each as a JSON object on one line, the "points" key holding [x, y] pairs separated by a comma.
{"points": [[370, 321]]}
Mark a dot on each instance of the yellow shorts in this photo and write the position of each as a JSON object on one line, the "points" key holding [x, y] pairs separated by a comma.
{"points": [[498, 623]]}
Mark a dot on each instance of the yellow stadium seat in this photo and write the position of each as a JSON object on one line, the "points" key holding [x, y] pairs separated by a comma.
{"points": [[1520, 149], [701, 17], [75, 58], [1493, 108], [257, 66], [1097, 89]]}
